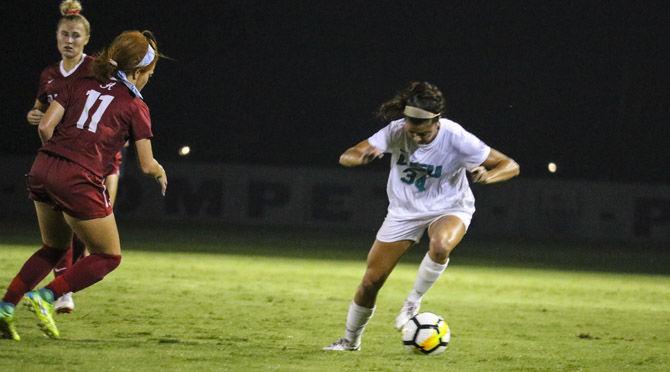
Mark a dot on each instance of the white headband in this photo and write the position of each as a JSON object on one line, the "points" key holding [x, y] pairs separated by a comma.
{"points": [[418, 113], [148, 58]]}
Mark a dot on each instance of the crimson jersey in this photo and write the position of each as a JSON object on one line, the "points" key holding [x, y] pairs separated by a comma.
{"points": [[99, 118], [54, 78]]}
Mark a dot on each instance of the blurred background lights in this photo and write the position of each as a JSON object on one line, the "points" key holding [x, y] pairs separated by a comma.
{"points": [[551, 167], [184, 150]]}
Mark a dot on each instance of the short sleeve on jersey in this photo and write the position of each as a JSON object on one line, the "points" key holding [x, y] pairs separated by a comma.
{"points": [[140, 122], [42, 87], [383, 139], [380, 139], [64, 96], [473, 150]]}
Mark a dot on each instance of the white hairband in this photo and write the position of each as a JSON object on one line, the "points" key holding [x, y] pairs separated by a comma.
{"points": [[148, 58], [418, 113], [146, 61]]}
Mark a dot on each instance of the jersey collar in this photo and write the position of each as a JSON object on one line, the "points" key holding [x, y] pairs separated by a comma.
{"points": [[68, 73]]}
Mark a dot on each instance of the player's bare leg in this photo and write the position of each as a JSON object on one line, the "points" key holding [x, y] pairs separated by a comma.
{"points": [[444, 234], [381, 261], [65, 303], [54, 230], [112, 186], [100, 235]]}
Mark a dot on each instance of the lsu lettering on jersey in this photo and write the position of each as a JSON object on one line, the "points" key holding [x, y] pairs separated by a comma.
{"points": [[427, 179]]}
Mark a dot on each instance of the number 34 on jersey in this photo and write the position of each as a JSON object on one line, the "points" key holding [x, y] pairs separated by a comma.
{"points": [[417, 173]]}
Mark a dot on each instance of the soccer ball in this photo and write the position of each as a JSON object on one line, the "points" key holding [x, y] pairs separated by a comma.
{"points": [[427, 334]]}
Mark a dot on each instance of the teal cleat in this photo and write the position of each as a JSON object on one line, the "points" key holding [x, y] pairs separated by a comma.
{"points": [[7, 328], [43, 309]]}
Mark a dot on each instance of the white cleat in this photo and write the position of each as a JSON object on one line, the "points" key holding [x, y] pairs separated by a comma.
{"points": [[64, 304], [409, 309], [342, 345]]}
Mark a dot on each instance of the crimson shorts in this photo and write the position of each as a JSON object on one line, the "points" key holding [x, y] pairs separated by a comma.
{"points": [[67, 186], [114, 169]]}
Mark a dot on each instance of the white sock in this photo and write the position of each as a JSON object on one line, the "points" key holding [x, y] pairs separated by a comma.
{"points": [[357, 319], [429, 272]]}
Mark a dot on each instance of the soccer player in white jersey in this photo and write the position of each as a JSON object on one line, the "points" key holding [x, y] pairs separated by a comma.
{"points": [[427, 189]]}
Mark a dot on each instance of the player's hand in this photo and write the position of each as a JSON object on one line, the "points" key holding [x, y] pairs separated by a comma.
{"points": [[361, 154], [162, 180], [479, 174], [34, 116], [372, 154]]}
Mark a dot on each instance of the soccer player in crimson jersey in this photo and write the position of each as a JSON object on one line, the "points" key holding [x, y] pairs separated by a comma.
{"points": [[83, 129], [72, 36]]}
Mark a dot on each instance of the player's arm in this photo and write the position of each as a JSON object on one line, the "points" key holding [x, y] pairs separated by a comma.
{"points": [[497, 167], [35, 114], [361, 154], [49, 121], [149, 165]]}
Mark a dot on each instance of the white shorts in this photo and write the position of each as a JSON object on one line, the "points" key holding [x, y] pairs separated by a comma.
{"points": [[393, 230]]}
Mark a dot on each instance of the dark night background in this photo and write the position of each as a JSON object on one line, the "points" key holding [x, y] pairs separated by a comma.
{"points": [[582, 83]]}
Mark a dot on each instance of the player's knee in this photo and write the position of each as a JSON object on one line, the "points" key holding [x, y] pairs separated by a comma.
{"points": [[114, 262], [440, 249], [102, 264], [109, 262], [372, 283], [50, 254], [58, 243]]}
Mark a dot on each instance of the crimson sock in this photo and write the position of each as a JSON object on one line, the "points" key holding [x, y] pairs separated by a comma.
{"points": [[86, 272], [64, 264], [32, 272], [78, 248]]}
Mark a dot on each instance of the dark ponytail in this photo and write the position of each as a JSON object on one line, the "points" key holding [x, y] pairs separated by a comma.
{"points": [[423, 95]]}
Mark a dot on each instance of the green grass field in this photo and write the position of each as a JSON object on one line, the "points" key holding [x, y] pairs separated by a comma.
{"points": [[246, 300]]}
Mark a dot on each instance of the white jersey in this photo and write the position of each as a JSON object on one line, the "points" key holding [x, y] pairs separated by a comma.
{"points": [[428, 179]]}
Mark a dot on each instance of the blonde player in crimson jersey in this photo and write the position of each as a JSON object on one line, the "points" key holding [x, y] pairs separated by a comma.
{"points": [[72, 36], [427, 189], [85, 126]]}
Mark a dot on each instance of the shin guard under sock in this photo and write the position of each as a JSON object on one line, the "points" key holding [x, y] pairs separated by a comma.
{"points": [[64, 264], [86, 272], [33, 271]]}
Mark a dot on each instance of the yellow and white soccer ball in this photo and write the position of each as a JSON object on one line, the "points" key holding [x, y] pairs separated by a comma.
{"points": [[427, 334]]}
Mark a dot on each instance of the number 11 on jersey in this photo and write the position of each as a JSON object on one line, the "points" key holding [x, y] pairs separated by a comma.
{"points": [[93, 97]]}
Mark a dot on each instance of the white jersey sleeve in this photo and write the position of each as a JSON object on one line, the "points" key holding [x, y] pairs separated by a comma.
{"points": [[472, 151], [386, 138]]}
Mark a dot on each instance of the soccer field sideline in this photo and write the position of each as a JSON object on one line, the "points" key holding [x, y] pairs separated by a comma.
{"points": [[208, 311]]}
